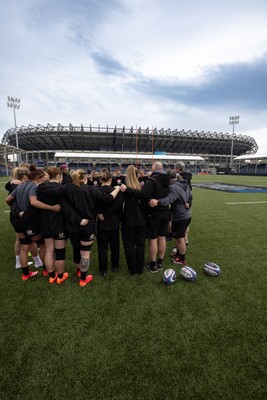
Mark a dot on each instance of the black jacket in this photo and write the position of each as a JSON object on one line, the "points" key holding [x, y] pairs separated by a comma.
{"points": [[156, 187], [111, 212]]}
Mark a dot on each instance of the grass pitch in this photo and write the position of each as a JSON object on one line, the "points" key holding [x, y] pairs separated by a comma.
{"points": [[129, 338]]}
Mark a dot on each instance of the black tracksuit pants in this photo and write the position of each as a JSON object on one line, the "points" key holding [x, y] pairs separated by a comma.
{"points": [[134, 247], [109, 237]]}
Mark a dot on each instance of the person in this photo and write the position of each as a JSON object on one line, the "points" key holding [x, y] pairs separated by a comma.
{"points": [[94, 179], [133, 225], [156, 186], [187, 176], [19, 175], [26, 221], [118, 178], [66, 177], [79, 201], [180, 198], [108, 227], [53, 228], [142, 177]]}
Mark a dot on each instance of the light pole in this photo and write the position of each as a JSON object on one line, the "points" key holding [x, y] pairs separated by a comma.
{"points": [[14, 103], [233, 121]]}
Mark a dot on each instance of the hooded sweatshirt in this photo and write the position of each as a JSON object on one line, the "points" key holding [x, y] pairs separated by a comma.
{"points": [[179, 195]]}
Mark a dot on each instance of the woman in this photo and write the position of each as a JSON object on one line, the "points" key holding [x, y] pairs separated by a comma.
{"points": [[180, 198], [108, 232], [52, 227], [133, 227], [19, 175], [26, 221], [79, 202]]}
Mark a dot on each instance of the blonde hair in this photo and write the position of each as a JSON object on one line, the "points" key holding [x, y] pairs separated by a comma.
{"points": [[132, 178], [78, 177], [19, 173]]}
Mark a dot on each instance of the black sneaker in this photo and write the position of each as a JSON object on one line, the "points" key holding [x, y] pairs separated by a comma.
{"points": [[159, 266], [151, 269], [103, 273]]}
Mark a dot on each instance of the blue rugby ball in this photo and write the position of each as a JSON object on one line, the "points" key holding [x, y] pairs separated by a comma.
{"points": [[212, 269], [188, 273], [169, 276]]}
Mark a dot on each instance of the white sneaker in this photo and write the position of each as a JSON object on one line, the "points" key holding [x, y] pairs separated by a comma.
{"points": [[30, 263]]}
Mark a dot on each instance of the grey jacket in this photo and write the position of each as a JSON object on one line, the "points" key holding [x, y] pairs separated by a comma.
{"points": [[179, 195]]}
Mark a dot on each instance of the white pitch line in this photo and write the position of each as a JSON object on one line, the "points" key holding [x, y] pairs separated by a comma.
{"points": [[248, 202]]}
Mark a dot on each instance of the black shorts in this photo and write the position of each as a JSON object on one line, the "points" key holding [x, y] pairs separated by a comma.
{"points": [[85, 234], [56, 236], [158, 224], [28, 229], [179, 228]]}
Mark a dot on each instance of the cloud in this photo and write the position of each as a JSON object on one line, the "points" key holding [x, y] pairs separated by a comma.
{"points": [[108, 65], [242, 84]]}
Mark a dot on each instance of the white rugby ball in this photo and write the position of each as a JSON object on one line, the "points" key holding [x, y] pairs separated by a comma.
{"points": [[212, 269], [188, 273], [169, 276]]}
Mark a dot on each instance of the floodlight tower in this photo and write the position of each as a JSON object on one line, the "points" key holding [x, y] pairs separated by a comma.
{"points": [[233, 121], [15, 104]]}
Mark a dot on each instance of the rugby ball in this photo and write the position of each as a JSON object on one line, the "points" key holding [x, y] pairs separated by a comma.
{"points": [[188, 273], [212, 269], [169, 276]]}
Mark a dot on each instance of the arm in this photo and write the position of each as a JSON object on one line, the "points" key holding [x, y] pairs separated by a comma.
{"points": [[39, 204], [144, 193], [9, 199]]}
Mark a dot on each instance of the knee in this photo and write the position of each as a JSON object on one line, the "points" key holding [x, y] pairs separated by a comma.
{"points": [[84, 264]]}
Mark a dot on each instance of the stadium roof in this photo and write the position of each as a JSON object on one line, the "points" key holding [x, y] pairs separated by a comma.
{"points": [[128, 156], [130, 140], [252, 157], [7, 150]]}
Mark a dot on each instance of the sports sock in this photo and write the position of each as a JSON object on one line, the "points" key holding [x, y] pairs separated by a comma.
{"points": [[152, 264], [52, 274], [160, 260], [60, 275], [25, 271], [182, 257], [44, 267], [83, 275], [37, 261]]}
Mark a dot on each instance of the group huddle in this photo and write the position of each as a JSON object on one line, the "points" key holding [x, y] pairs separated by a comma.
{"points": [[52, 206]]}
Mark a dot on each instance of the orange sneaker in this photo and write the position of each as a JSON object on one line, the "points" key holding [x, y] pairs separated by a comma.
{"points": [[30, 275], [45, 273], [53, 280], [88, 279], [64, 277]]}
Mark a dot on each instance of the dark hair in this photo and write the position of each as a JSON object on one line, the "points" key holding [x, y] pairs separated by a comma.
{"points": [[53, 172], [172, 173], [105, 176], [35, 173]]}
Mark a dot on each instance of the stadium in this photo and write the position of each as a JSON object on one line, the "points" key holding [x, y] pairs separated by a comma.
{"points": [[135, 337], [96, 147]]}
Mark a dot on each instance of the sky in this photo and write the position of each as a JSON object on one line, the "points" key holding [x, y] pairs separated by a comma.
{"points": [[143, 63]]}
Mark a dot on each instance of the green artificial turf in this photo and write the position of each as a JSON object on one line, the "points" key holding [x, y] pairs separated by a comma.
{"points": [[125, 337]]}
